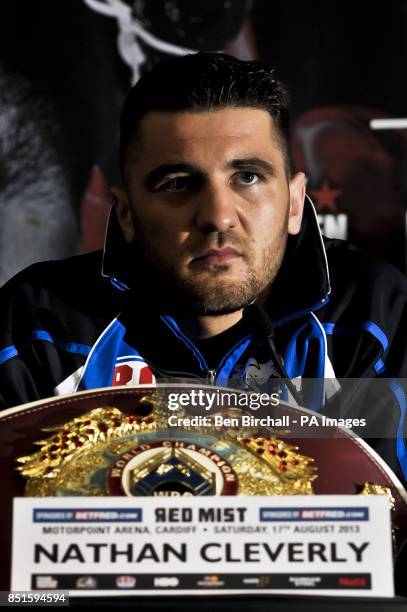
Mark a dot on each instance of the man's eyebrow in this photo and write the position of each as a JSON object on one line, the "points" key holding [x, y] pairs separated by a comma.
{"points": [[245, 163], [252, 163], [161, 171]]}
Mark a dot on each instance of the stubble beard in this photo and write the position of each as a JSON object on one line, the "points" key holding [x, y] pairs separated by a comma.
{"points": [[211, 294], [208, 292]]}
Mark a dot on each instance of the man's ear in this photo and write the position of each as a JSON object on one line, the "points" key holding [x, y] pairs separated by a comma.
{"points": [[123, 212], [297, 197]]}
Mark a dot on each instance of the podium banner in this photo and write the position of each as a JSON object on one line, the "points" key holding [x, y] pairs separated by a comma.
{"points": [[325, 545]]}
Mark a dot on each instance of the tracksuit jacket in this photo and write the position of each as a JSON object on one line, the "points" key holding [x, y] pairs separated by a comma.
{"points": [[92, 321]]}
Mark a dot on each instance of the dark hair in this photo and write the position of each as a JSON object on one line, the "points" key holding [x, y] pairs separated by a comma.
{"points": [[206, 81]]}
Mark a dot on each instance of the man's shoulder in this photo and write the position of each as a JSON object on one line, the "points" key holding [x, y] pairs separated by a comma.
{"points": [[348, 265], [70, 270], [75, 281]]}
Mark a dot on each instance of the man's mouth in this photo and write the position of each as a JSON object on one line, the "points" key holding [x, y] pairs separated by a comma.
{"points": [[217, 256]]}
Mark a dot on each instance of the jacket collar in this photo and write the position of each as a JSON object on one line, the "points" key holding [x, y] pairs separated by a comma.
{"points": [[302, 283]]}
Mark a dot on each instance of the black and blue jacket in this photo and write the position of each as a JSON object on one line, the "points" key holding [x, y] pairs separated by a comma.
{"points": [[84, 323]]}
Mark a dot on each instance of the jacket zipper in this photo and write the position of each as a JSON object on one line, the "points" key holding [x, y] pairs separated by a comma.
{"points": [[211, 376]]}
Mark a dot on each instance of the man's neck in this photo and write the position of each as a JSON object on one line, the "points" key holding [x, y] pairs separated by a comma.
{"points": [[203, 327]]}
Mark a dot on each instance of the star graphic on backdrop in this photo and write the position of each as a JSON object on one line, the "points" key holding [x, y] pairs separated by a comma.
{"points": [[325, 197]]}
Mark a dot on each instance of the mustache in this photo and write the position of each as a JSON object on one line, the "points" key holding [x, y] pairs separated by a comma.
{"points": [[216, 243]]}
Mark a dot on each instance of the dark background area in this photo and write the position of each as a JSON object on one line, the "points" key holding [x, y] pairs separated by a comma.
{"points": [[63, 81]]}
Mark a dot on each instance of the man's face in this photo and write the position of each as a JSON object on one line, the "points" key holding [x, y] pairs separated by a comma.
{"points": [[209, 204]]}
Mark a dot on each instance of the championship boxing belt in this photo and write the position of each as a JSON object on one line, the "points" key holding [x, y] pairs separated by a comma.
{"points": [[116, 441]]}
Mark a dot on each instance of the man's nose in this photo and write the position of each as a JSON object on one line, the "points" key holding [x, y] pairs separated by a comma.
{"points": [[216, 209]]}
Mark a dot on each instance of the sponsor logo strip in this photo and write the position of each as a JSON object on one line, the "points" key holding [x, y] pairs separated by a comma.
{"points": [[314, 514], [87, 515], [288, 581]]}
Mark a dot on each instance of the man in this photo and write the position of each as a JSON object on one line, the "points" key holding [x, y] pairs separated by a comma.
{"points": [[209, 221]]}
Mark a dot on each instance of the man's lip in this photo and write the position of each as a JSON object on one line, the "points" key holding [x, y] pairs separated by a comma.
{"points": [[217, 256]]}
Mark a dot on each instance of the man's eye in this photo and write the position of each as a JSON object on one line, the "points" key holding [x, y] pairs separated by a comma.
{"points": [[248, 178], [176, 184]]}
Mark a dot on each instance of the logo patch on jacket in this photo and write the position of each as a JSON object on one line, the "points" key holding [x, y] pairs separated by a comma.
{"points": [[132, 373], [259, 373]]}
